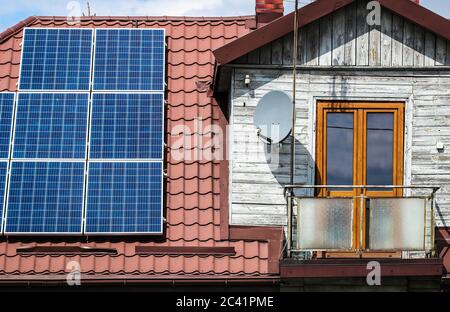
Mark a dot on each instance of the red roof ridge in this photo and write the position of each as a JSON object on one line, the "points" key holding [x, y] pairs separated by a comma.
{"points": [[154, 18]]}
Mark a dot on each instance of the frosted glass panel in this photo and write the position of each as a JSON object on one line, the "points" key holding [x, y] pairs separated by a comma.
{"points": [[397, 223], [324, 223]]}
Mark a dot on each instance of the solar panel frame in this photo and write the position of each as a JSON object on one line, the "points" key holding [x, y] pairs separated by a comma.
{"points": [[161, 216], [4, 190], [11, 125], [25, 29], [87, 161], [43, 233], [14, 136], [130, 90], [90, 156]]}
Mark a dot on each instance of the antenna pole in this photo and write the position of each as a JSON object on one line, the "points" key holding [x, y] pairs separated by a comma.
{"points": [[294, 89], [290, 203]]}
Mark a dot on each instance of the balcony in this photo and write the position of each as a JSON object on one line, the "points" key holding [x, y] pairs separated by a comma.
{"points": [[360, 225], [335, 237]]}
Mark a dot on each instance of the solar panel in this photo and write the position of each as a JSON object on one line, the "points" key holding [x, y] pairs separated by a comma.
{"points": [[127, 126], [124, 198], [50, 125], [6, 112], [112, 105], [45, 197], [3, 172], [129, 59], [56, 59]]}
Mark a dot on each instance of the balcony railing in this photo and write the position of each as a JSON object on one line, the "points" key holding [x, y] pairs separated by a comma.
{"points": [[388, 224]]}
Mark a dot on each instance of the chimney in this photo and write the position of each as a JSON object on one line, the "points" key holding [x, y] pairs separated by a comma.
{"points": [[416, 1], [268, 10]]}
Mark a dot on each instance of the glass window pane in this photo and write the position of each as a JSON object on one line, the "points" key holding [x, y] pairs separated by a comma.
{"points": [[380, 148], [324, 223], [339, 149], [397, 223]]}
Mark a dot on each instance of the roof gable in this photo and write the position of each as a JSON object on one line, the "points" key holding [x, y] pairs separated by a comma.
{"points": [[318, 9], [344, 38]]}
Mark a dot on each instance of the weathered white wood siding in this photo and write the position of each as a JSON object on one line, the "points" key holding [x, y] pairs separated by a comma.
{"points": [[345, 38], [256, 189]]}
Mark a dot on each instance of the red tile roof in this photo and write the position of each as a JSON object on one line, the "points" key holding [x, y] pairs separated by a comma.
{"points": [[196, 191]]}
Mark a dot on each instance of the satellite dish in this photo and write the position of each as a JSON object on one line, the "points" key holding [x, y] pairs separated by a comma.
{"points": [[273, 117]]}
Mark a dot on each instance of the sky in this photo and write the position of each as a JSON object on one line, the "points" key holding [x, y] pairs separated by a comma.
{"points": [[13, 11]]}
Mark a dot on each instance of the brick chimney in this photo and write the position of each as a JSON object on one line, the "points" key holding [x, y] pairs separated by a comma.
{"points": [[268, 10]]}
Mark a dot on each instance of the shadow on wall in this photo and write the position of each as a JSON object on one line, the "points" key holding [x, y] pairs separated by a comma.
{"points": [[278, 158]]}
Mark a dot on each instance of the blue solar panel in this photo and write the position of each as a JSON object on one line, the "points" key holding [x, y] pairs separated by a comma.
{"points": [[129, 59], [6, 112], [3, 171], [51, 126], [124, 198], [127, 126], [56, 59], [47, 192], [45, 197]]}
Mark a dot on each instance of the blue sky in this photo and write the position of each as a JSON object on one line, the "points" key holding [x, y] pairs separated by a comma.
{"points": [[13, 11]]}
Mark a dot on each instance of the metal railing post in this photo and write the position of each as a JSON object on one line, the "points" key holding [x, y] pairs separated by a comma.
{"points": [[361, 205], [432, 224], [289, 224]]}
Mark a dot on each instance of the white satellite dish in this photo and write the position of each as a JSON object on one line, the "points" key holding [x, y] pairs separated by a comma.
{"points": [[273, 117]]}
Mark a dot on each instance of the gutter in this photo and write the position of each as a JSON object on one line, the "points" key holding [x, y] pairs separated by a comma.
{"points": [[117, 280]]}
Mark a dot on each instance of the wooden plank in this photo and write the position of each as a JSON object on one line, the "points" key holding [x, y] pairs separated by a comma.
{"points": [[258, 219], [253, 208], [419, 46], [375, 45], [265, 55], [313, 44], [253, 57], [288, 42], [430, 49], [386, 38], [338, 44], [259, 197], [302, 46], [397, 40], [242, 60], [447, 58], [277, 52], [362, 30], [350, 35], [441, 51], [325, 48], [408, 44]]}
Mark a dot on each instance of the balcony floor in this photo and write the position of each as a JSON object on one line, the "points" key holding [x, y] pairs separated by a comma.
{"points": [[329, 268]]}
